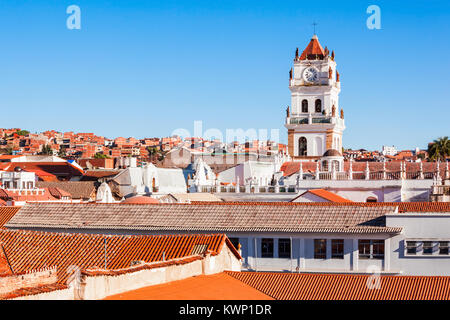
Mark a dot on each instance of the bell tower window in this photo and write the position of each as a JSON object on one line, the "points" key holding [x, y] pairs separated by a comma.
{"points": [[305, 105], [318, 105], [302, 146]]}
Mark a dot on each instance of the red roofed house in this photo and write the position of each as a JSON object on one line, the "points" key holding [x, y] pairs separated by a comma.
{"points": [[319, 195]]}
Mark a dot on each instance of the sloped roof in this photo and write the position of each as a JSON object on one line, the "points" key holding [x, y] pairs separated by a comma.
{"points": [[292, 286], [140, 200], [6, 213], [77, 189], [325, 194], [97, 174], [31, 250], [59, 169], [5, 268], [211, 217], [313, 49], [219, 286]]}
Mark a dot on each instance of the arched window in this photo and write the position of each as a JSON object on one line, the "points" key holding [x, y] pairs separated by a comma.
{"points": [[302, 146], [371, 199], [336, 165], [325, 165], [305, 105], [318, 105]]}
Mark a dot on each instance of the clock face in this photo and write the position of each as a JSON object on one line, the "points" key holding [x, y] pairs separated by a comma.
{"points": [[311, 74]]}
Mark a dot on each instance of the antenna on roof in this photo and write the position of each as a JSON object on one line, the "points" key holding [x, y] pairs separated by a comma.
{"points": [[314, 24]]}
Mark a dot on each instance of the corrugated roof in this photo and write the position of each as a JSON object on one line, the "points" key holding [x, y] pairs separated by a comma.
{"points": [[211, 217], [219, 286], [291, 286], [31, 250]]}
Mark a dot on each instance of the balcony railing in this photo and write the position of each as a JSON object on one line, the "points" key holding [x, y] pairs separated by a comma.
{"points": [[314, 120]]}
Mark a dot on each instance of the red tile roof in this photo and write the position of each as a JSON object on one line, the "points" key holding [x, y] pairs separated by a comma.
{"points": [[208, 217], [292, 286], [59, 169], [5, 267], [325, 194], [6, 213], [313, 49], [31, 250], [140, 200], [219, 286]]}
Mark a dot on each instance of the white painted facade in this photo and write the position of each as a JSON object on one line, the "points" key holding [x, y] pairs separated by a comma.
{"points": [[306, 118]]}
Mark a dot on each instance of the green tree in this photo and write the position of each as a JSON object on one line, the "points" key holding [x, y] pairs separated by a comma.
{"points": [[439, 149], [62, 152], [99, 155], [23, 132], [46, 150]]}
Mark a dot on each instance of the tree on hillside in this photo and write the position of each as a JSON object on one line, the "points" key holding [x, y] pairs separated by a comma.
{"points": [[439, 149], [99, 155], [23, 132]]}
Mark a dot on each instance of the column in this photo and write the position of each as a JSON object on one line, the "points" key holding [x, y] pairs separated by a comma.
{"points": [[302, 262], [355, 257], [387, 255]]}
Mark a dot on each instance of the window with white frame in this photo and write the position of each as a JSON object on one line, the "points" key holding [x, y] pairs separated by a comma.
{"points": [[427, 247], [371, 249], [411, 247], [337, 249], [443, 247]]}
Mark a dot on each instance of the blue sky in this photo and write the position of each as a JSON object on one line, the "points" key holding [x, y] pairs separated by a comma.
{"points": [[146, 68]]}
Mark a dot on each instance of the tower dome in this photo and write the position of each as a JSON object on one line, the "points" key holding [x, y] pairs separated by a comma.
{"points": [[332, 153]]}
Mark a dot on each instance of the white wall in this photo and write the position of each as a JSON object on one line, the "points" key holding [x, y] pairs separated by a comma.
{"points": [[420, 227]]}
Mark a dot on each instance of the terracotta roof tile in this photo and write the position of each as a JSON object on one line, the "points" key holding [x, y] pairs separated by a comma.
{"points": [[291, 286], [313, 49], [77, 189], [208, 217], [6, 213], [31, 250], [327, 195]]}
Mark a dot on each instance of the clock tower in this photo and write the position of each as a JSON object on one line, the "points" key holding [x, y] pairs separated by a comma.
{"points": [[315, 122]]}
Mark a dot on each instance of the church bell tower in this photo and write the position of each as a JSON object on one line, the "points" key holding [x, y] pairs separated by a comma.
{"points": [[315, 122]]}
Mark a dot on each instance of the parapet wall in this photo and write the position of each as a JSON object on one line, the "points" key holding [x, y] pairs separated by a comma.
{"points": [[35, 278]]}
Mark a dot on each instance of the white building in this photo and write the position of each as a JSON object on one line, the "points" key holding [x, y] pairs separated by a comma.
{"points": [[314, 122], [389, 151], [150, 180], [403, 239], [18, 180]]}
